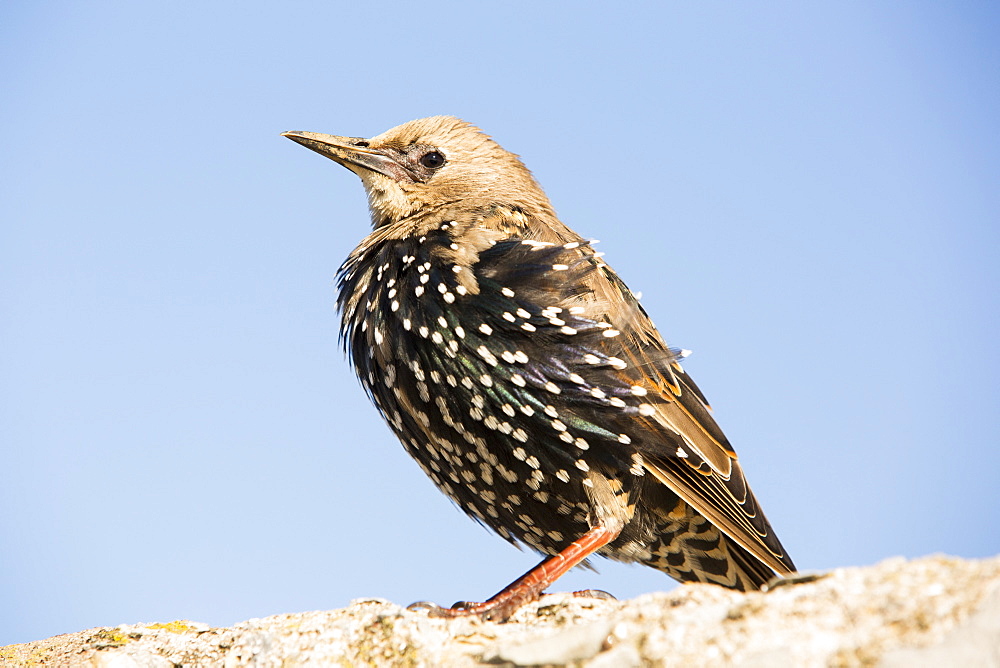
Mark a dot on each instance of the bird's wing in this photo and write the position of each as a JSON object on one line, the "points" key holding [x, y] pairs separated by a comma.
{"points": [[703, 469], [680, 443]]}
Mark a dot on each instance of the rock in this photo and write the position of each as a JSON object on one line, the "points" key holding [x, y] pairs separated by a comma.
{"points": [[937, 611]]}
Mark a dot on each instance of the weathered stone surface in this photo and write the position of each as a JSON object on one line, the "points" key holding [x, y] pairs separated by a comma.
{"points": [[938, 611]]}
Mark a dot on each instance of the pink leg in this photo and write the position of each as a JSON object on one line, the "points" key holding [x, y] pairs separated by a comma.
{"points": [[529, 586]]}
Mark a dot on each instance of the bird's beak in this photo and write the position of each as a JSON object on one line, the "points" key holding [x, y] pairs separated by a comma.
{"points": [[351, 152]]}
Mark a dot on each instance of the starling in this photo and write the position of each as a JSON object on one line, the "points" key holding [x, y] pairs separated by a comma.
{"points": [[524, 377]]}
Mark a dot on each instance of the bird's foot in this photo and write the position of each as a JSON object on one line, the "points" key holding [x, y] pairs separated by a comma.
{"points": [[599, 594], [497, 609], [529, 586], [500, 607]]}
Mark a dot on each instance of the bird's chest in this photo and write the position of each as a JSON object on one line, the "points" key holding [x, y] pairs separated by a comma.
{"points": [[463, 393]]}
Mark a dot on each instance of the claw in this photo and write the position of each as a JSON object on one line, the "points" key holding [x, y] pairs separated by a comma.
{"points": [[599, 594], [432, 608], [796, 578]]}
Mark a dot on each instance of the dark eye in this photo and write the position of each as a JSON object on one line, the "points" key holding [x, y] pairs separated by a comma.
{"points": [[432, 160]]}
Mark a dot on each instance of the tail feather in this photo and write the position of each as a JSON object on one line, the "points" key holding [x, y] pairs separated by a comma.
{"points": [[689, 548]]}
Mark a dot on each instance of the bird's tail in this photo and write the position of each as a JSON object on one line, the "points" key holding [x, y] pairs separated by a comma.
{"points": [[692, 549]]}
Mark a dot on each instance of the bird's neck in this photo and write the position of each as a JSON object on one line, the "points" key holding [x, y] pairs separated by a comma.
{"points": [[527, 220]]}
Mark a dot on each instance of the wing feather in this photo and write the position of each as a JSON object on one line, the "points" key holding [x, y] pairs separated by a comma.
{"points": [[682, 446], [693, 458]]}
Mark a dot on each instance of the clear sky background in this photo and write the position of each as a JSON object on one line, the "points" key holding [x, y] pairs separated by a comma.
{"points": [[807, 195]]}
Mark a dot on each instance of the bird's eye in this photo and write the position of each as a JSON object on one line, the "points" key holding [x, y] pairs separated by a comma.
{"points": [[432, 160]]}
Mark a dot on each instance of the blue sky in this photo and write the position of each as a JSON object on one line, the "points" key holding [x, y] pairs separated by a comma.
{"points": [[805, 194]]}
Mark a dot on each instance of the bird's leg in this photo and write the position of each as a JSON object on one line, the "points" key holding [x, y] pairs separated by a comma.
{"points": [[529, 586]]}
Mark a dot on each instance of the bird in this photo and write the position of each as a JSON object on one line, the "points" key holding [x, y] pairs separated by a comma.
{"points": [[524, 376]]}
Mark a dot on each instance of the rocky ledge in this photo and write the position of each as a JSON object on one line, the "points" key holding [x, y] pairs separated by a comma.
{"points": [[937, 611]]}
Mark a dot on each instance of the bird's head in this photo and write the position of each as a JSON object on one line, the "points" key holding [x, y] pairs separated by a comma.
{"points": [[431, 163]]}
